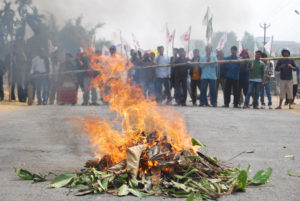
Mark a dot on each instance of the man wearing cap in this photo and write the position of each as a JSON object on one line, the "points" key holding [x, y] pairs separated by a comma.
{"points": [[286, 68]]}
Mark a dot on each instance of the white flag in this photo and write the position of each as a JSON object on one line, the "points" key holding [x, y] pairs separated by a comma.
{"points": [[191, 54], [206, 17], [51, 47], [186, 36], [171, 37], [125, 45], [255, 49], [136, 42], [269, 45], [222, 42], [28, 32], [240, 47], [105, 51]]}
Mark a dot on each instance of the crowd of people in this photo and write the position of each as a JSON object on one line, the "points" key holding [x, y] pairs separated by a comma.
{"points": [[244, 80]]}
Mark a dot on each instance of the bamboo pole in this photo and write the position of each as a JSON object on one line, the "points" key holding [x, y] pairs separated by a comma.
{"points": [[182, 64]]}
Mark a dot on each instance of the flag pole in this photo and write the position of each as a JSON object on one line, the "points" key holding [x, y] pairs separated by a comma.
{"points": [[173, 40], [121, 41], [189, 41]]}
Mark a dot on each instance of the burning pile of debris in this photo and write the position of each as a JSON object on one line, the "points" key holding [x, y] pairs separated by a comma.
{"points": [[151, 152], [157, 170]]}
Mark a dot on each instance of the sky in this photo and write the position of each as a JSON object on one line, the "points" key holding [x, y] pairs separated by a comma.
{"points": [[147, 18]]}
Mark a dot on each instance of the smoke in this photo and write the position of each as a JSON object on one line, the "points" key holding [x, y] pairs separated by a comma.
{"points": [[146, 18]]}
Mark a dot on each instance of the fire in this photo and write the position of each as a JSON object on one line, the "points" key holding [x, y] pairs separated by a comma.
{"points": [[139, 120]]}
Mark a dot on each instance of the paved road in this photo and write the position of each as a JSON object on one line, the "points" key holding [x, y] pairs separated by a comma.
{"points": [[43, 139]]}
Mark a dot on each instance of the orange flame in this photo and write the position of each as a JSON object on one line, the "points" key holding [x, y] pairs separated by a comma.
{"points": [[139, 116]]}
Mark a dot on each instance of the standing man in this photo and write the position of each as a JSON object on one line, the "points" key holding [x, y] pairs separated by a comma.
{"points": [[286, 68], [267, 85], [173, 60], [208, 77], [256, 69], [180, 78], [221, 75], [2, 72], [54, 78], [147, 76], [82, 63], [232, 79], [40, 66], [195, 73], [244, 76], [163, 75]]}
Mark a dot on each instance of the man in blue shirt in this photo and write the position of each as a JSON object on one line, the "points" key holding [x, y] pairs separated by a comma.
{"points": [[163, 75], [208, 77], [232, 78]]}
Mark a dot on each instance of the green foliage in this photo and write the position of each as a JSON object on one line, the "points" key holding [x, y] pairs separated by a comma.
{"points": [[262, 177], [62, 180], [26, 175]]}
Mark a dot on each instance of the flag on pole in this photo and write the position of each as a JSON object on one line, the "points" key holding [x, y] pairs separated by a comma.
{"points": [[51, 47], [206, 17], [269, 45], [209, 30], [93, 45], [187, 35], [255, 49], [28, 32], [191, 54], [240, 47], [222, 42], [105, 51], [171, 37], [273, 52], [126, 45], [167, 32], [136, 42]]}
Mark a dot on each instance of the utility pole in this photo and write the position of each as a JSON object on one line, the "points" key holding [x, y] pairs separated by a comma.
{"points": [[265, 26]]}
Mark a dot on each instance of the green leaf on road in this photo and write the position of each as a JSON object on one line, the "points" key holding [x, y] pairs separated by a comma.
{"points": [[62, 180], [198, 196], [292, 174], [196, 142], [123, 190], [138, 193], [24, 174], [262, 177], [191, 197], [242, 180]]}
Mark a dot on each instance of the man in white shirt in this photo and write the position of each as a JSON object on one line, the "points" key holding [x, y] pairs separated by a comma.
{"points": [[163, 75], [40, 66]]}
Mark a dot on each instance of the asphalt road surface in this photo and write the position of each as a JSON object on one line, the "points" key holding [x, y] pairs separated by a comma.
{"points": [[44, 138]]}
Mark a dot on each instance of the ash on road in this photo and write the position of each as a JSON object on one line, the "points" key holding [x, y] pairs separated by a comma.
{"points": [[44, 139]]}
